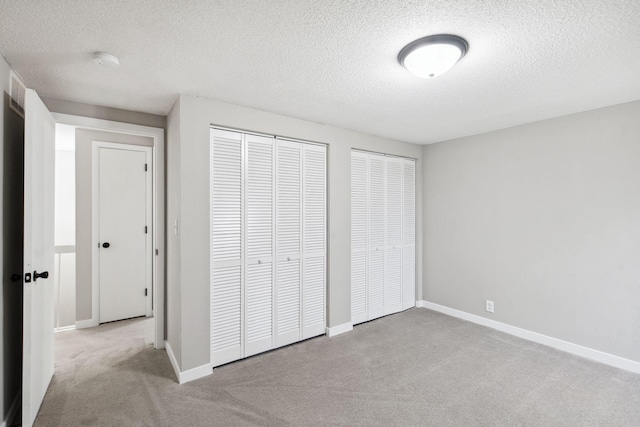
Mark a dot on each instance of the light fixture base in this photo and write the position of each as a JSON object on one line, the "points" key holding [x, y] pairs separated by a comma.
{"points": [[106, 59]]}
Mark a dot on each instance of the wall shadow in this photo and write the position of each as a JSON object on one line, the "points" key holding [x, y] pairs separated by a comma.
{"points": [[12, 255]]}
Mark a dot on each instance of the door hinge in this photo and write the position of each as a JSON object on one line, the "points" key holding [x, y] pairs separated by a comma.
{"points": [[145, 229], [156, 252], [145, 167], [145, 292]]}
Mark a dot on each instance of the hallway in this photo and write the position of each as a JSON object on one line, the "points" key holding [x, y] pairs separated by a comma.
{"points": [[107, 375]]}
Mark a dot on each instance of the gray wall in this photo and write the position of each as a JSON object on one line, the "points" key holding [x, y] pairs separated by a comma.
{"points": [[11, 201], [192, 199], [104, 113], [543, 219], [84, 237], [173, 318]]}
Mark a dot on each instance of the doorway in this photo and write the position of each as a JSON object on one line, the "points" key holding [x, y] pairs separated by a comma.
{"points": [[123, 277]]}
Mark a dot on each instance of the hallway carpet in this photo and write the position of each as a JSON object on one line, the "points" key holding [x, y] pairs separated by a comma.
{"points": [[414, 368]]}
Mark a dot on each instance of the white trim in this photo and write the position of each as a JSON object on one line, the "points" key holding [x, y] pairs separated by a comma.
{"points": [[188, 375], [568, 347], [88, 323], [65, 328], [340, 329], [172, 358], [13, 410], [158, 226]]}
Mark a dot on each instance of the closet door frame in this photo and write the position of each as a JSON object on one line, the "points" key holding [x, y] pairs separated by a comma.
{"points": [[245, 349], [403, 246]]}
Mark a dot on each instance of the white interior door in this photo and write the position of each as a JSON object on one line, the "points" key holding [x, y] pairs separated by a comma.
{"points": [[39, 295], [124, 236]]}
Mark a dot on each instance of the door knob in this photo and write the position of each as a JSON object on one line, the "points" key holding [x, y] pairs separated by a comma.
{"points": [[106, 245], [43, 275]]}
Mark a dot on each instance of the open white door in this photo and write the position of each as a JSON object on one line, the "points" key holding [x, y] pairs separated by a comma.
{"points": [[39, 146]]}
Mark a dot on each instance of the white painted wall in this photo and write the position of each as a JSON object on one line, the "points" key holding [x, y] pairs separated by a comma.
{"points": [[188, 162], [174, 301], [543, 219], [65, 227]]}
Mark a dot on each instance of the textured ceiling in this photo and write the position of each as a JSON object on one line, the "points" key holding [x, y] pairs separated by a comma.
{"points": [[332, 61]]}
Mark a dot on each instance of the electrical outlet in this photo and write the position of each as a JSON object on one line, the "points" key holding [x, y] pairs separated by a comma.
{"points": [[489, 306]]}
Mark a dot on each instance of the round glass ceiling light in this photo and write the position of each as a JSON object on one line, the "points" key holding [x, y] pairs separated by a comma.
{"points": [[434, 55]]}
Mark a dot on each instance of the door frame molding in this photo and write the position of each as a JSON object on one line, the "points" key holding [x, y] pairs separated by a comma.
{"points": [[159, 218], [95, 221]]}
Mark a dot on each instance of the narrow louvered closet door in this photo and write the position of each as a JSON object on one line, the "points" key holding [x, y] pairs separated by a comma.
{"points": [[259, 245], [314, 189], [408, 233], [393, 237], [288, 243], [376, 236], [226, 246], [359, 189]]}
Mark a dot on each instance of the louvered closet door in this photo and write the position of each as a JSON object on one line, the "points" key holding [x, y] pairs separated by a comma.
{"points": [[393, 237], [259, 252], [288, 243], [226, 246], [359, 189], [376, 236], [408, 233], [314, 189]]}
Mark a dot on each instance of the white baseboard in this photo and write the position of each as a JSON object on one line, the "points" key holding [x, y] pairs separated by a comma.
{"points": [[190, 374], [89, 323], [13, 410], [578, 350], [340, 329], [65, 328]]}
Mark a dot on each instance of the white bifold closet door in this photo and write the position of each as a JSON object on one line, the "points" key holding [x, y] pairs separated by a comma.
{"points": [[314, 226], [382, 235], [259, 245], [289, 226], [268, 249], [227, 297]]}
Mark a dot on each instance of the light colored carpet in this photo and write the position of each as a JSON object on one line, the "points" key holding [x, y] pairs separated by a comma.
{"points": [[414, 368]]}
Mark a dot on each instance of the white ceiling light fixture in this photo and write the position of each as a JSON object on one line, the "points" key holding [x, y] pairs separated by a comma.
{"points": [[106, 59], [432, 56]]}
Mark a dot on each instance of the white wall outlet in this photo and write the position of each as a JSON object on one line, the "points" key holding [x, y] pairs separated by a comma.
{"points": [[489, 307]]}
